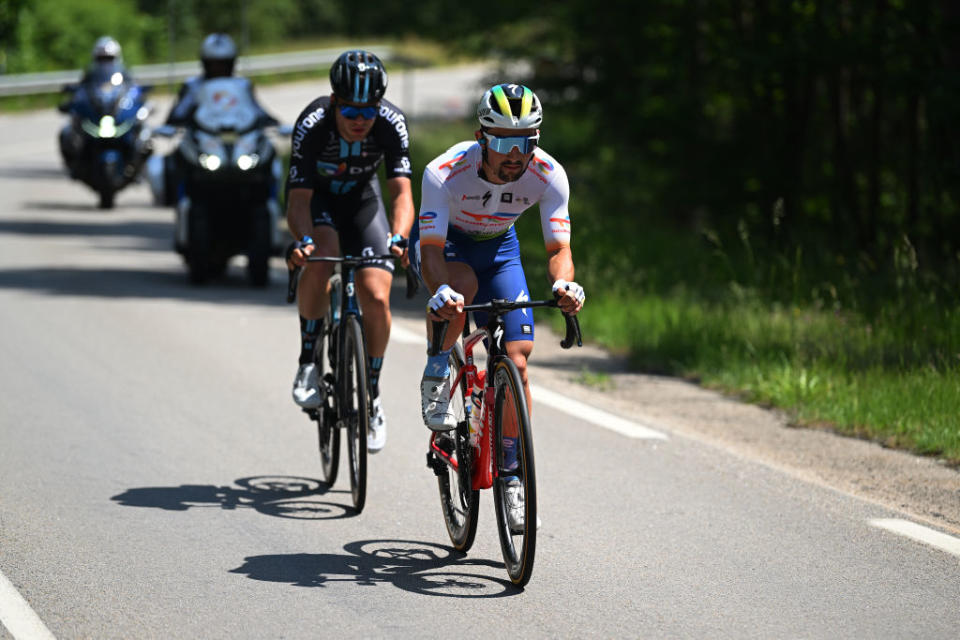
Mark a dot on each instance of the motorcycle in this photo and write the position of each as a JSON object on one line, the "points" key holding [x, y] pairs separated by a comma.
{"points": [[106, 142], [224, 178]]}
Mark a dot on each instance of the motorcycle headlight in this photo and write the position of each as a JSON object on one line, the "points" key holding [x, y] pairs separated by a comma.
{"points": [[209, 162], [248, 161], [108, 127]]}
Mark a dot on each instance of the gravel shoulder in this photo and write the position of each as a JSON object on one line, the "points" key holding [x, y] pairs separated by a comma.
{"points": [[922, 488]]}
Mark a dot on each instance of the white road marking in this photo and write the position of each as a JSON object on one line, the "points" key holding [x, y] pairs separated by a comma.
{"points": [[405, 336], [558, 401], [919, 533], [596, 416], [17, 616]]}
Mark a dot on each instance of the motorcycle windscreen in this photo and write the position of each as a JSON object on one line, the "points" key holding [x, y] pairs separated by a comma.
{"points": [[225, 103]]}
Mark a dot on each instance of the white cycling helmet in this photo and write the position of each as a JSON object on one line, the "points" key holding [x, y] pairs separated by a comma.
{"points": [[106, 49], [510, 106]]}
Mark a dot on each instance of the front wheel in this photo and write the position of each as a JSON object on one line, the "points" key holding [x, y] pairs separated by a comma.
{"points": [[515, 485], [107, 197], [326, 414], [198, 246], [355, 411], [458, 500]]}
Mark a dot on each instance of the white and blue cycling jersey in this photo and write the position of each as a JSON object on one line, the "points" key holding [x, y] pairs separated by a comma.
{"points": [[473, 220]]}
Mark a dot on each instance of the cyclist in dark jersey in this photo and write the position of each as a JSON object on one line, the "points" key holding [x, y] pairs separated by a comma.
{"points": [[334, 207]]}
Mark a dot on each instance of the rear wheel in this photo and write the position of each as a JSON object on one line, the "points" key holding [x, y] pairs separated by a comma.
{"points": [[515, 478], [458, 500], [353, 382]]}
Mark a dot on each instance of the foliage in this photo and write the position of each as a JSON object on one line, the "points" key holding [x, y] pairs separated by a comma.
{"points": [[54, 35]]}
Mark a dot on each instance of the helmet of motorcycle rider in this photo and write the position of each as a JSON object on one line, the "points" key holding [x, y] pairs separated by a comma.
{"points": [[106, 49], [358, 76], [218, 54], [510, 106]]}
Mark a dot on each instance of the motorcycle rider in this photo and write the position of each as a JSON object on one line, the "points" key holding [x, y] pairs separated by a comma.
{"points": [[106, 61], [334, 206], [218, 56]]}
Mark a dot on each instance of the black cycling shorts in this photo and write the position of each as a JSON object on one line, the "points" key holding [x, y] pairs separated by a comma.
{"points": [[360, 222]]}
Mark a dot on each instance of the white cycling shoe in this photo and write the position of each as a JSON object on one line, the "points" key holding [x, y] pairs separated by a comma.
{"points": [[306, 390], [377, 432], [513, 496], [435, 403]]}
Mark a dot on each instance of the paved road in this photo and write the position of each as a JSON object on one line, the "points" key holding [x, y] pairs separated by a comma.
{"points": [[157, 481]]}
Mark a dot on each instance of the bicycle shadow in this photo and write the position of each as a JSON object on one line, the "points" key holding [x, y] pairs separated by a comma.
{"points": [[279, 496], [424, 568]]}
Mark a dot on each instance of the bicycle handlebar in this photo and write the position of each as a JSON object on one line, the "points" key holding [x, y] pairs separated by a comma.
{"points": [[572, 336], [293, 276]]}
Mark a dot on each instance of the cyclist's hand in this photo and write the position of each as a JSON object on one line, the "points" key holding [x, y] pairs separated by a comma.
{"points": [[570, 296], [445, 303], [398, 247], [298, 251]]}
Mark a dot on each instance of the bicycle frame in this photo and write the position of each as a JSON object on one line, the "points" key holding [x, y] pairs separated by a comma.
{"points": [[484, 470]]}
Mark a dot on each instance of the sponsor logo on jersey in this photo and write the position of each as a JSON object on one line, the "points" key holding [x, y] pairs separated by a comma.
{"points": [[506, 197], [523, 297], [308, 122], [456, 173], [495, 217], [561, 225], [428, 216], [399, 123], [455, 161], [331, 168], [541, 168]]}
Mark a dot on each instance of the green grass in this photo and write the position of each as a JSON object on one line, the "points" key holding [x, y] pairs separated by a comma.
{"points": [[830, 370]]}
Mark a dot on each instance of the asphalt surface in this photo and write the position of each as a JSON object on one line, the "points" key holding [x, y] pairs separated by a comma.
{"points": [[156, 479]]}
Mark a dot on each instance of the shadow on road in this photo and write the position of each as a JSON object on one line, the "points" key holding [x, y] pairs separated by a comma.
{"points": [[233, 288], [280, 496], [419, 567], [155, 236], [34, 172]]}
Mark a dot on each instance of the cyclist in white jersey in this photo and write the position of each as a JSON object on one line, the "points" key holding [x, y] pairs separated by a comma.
{"points": [[464, 246]]}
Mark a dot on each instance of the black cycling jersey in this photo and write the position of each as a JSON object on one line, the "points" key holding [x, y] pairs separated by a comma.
{"points": [[320, 159]]}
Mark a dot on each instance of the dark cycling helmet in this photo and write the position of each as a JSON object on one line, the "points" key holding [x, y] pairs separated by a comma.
{"points": [[218, 54], [510, 106], [358, 76], [106, 49]]}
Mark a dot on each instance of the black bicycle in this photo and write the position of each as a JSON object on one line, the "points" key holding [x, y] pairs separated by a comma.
{"points": [[489, 404], [342, 365]]}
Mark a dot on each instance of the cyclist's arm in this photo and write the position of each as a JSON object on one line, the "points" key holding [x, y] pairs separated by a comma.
{"points": [[555, 224], [433, 220], [298, 220], [401, 204]]}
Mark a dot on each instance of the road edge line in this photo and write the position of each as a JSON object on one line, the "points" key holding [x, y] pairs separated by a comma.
{"points": [[20, 620], [919, 533]]}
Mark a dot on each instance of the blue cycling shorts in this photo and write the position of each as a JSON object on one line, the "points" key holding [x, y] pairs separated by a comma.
{"points": [[496, 263]]}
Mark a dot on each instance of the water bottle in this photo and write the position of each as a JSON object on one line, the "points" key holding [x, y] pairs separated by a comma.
{"points": [[476, 409]]}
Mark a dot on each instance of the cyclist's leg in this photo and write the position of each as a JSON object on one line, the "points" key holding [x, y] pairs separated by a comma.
{"points": [[507, 280], [461, 275], [434, 384], [364, 231], [312, 301], [312, 294]]}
